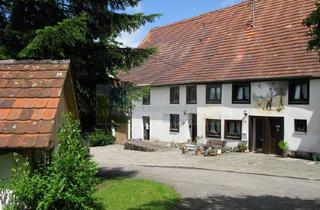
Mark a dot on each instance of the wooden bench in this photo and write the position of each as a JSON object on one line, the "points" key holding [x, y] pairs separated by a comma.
{"points": [[216, 143], [215, 146]]}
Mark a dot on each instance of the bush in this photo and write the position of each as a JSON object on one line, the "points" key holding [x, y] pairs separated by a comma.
{"points": [[283, 145], [100, 137], [242, 147], [67, 181]]}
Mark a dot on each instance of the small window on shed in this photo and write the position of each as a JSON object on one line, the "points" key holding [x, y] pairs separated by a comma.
{"points": [[300, 126]]}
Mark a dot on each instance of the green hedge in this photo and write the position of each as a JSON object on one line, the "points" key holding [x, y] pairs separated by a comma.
{"points": [[100, 137]]}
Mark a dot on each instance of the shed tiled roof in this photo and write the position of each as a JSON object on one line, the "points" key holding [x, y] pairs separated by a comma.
{"points": [[29, 98], [223, 46]]}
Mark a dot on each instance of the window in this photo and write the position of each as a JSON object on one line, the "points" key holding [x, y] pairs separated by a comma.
{"points": [[146, 99], [241, 93], [191, 94], [300, 126], [299, 92], [174, 122], [174, 95], [213, 93], [213, 128], [233, 129]]}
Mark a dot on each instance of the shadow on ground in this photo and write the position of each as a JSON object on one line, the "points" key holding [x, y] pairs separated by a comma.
{"points": [[116, 173], [264, 202], [241, 203], [249, 202]]}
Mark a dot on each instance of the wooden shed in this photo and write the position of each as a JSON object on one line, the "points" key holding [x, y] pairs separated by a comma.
{"points": [[34, 95]]}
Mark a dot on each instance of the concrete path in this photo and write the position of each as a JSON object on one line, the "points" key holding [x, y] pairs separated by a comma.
{"points": [[248, 163]]}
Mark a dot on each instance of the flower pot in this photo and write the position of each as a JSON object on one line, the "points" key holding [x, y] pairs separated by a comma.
{"points": [[285, 154], [219, 151], [198, 152]]}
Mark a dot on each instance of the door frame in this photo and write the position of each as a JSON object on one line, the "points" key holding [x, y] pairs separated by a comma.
{"points": [[267, 149], [144, 129], [194, 127]]}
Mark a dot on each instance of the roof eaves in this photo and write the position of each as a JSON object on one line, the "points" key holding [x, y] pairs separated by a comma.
{"points": [[12, 62]]}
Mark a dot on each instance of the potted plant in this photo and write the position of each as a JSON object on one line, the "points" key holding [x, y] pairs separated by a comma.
{"points": [[283, 145], [198, 151], [242, 146], [184, 149], [199, 145]]}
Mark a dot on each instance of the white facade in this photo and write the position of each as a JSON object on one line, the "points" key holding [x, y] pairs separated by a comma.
{"points": [[160, 109]]}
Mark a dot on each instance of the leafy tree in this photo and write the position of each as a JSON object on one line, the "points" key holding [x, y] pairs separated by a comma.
{"points": [[313, 22], [83, 31], [68, 181]]}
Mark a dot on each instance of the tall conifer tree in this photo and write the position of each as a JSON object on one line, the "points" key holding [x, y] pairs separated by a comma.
{"points": [[83, 31]]}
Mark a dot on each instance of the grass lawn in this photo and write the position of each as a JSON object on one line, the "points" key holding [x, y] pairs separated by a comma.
{"points": [[136, 194]]}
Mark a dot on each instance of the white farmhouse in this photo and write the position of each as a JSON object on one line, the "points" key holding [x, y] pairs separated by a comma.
{"points": [[235, 74]]}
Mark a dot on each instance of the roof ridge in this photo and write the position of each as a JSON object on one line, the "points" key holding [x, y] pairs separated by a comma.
{"points": [[31, 61], [196, 17]]}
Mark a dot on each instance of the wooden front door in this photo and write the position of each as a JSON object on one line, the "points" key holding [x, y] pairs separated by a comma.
{"points": [[277, 133], [146, 128], [194, 127], [265, 134], [122, 134]]}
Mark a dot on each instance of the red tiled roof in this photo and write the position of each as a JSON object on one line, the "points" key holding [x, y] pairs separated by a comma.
{"points": [[29, 98], [223, 46]]}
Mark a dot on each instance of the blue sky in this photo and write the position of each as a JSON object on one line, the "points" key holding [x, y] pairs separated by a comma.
{"points": [[172, 11]]}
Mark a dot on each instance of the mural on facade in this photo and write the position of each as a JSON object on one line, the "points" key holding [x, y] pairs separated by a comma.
{"points": [[268, 96]]}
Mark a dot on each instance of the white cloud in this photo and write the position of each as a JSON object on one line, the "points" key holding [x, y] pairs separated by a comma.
{"points": [[132, 39]]}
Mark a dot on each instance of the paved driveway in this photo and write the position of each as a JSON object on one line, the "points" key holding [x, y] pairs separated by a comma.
{"points": [[214, 187], [236, 162]]}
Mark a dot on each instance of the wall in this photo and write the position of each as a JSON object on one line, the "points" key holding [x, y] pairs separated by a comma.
{"points": [[159, 112], [7, 163], [160, 109]]}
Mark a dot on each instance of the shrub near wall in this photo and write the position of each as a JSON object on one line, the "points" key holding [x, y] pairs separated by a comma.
{"points": [[100, 137], [68, 181]]}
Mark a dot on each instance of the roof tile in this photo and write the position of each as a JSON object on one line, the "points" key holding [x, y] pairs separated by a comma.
{"points": [[26, 114], [4, 113], [53, 103], [41, 102], [49, 114], [38, 114], [19, 103], [6, 103], [30, 92], [14, 114], [221, 46]]}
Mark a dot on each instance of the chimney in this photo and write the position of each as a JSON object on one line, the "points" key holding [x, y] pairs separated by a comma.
{"points": [[252, 5]]}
